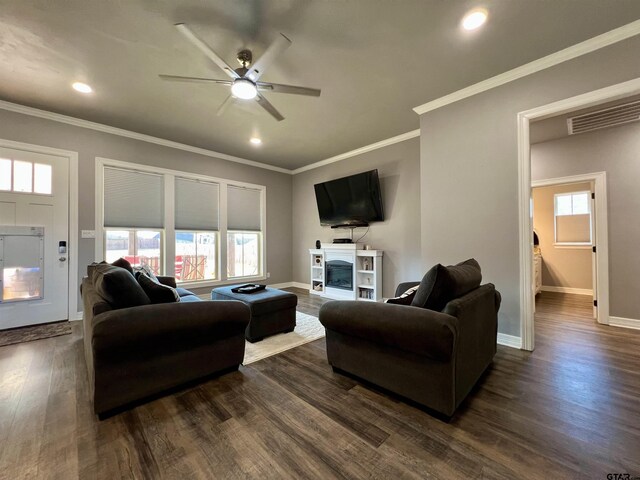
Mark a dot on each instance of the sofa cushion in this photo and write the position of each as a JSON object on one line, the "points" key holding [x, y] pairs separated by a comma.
{"points": [[123, 263], [405, 298], [118, 287], [442, 284], [183, 292], [157, 292]]}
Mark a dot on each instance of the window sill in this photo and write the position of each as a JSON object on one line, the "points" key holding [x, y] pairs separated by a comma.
{"points": [[576, 246], [219, 283]]}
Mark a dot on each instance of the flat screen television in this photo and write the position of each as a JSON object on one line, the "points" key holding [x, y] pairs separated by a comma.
{"points": [[350, 201]]}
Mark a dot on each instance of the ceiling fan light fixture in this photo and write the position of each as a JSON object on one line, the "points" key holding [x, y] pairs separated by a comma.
{"points": [[474, 19], [244, 89]]}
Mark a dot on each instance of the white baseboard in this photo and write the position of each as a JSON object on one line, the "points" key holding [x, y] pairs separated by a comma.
{"points": [[77, 317], [509, 341], [576, 291], [304, 286], [624, 322]]}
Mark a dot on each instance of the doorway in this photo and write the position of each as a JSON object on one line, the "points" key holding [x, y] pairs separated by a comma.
{"points": [[584, 101], [35, 263], [565, 252]]}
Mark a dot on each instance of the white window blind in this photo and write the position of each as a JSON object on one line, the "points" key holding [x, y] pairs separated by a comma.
{"points": [[243, 207], [196, 206], [133, 199]]}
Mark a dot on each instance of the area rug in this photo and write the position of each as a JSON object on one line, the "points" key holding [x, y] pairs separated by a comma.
{"points": [[308, 328], [34, 332]]}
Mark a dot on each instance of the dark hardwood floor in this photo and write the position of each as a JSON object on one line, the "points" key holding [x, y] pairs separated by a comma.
{"points": [[568, 410]]}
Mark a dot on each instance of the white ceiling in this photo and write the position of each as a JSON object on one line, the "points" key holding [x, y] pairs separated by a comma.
{"points": [[373, 59]]}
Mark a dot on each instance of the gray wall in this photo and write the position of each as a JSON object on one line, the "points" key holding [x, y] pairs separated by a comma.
{"points": [[399, 235], [562, 266], [91, 144], [469, 167], [616, 151]]}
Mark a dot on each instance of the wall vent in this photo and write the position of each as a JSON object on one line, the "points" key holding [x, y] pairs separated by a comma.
{"points": [[609, 117]]}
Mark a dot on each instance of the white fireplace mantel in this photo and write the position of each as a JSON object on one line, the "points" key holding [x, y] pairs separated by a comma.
{"points": [[366, 273]]}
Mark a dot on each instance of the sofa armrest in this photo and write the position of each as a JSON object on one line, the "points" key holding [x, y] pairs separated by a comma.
{"points": [[404, 286], [168, 281], [168, 327], [418, 330]]}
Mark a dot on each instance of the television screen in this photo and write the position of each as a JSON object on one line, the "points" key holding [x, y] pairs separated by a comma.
{"points": [[350, 201]]}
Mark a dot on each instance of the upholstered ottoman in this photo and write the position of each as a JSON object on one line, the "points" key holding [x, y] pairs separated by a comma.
{"points": [[272, 310]]}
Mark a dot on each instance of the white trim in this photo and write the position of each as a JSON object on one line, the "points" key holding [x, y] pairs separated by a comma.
{"points": [[78, 122], [575, 291], [591, 45], [78, 317], [525, 223], [303, 286], [74, 233], [624, 322], [572, 246], [509, 340], [359, 151]]}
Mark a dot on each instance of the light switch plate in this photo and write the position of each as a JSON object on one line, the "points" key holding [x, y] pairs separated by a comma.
{"points": [[88, 233]]}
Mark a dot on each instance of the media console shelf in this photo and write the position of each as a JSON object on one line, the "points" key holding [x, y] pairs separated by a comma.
{"points": [[346, 272]]}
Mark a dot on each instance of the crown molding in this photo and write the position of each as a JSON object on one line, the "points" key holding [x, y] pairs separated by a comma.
{"points": [[613, 36], [359, 151], [78, 122]]}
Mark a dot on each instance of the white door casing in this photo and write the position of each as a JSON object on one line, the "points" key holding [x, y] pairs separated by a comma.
{"points": [[52, 213]]}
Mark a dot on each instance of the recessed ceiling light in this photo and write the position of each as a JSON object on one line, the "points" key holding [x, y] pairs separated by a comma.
{"points": [[474, 19], [82, 87], [255, 140]]}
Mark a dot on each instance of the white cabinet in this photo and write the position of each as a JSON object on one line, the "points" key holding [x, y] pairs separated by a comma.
{"points": [[537, 268], [369, 275], [317, 271]]}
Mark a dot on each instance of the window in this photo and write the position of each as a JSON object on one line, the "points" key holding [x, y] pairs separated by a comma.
{"points": [[25, 177], [243, 254], [243, 235], [134, 217], [138, 247], [572, 214], [175, 223]]}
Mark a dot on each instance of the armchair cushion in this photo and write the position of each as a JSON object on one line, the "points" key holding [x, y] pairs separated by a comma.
{"points": [[442, 284], [417, 330]]}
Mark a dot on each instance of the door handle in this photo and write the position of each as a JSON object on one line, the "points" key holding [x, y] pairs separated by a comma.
{"points": [[62, 259]]}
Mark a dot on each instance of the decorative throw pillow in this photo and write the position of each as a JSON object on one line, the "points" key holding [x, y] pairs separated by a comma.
{"points": [[123, 263], [157, 292], [406, 298], [442, 284], [118, 287], [146, 269]]}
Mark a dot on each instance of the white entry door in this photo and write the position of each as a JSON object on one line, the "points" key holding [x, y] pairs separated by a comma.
{"points": [[34, 191]]}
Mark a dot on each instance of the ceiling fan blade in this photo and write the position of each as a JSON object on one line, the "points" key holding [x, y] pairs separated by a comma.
{"points": [[204, 48], [264, 103], [279, 88], [179, 78], [279, 45], [223, 107]]}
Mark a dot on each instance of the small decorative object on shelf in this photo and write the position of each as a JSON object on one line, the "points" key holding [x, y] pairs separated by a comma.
{"points": [[317, 287], [318, 260], [318, 244], [365, 263]]}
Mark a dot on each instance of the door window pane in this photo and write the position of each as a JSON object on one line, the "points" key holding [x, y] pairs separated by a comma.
{"points": [[42, 178], [243, 254], [196, 256], [5, 174], [22, 176]]}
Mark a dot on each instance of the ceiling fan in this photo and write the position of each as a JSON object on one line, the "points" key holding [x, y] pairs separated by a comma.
{"points": [[244, 80]]}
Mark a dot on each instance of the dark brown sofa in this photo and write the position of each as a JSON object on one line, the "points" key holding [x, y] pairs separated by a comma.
{"points": [[137, 352], [433, 358]]}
